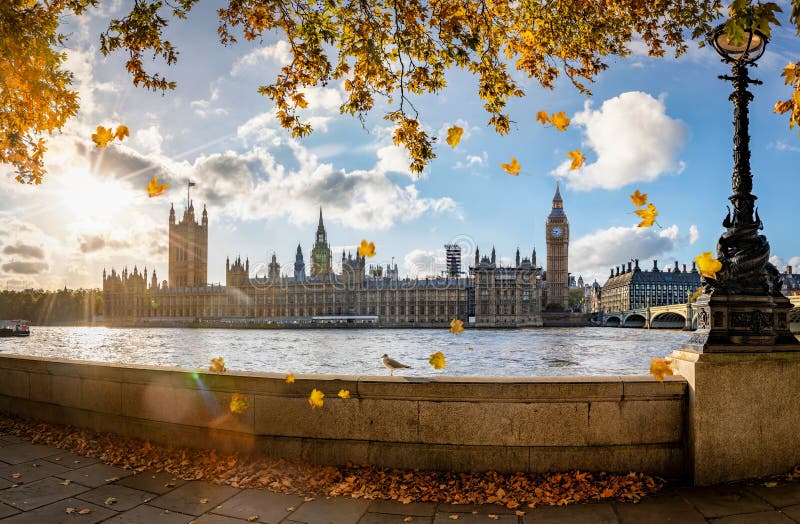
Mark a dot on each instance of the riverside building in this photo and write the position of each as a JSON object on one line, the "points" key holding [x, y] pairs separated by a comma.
{"points": [[489, 295], [633, 288]]}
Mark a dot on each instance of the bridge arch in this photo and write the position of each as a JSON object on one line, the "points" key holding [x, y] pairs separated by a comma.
{"points": [[613, 321], [634, 320], [668, 320]]}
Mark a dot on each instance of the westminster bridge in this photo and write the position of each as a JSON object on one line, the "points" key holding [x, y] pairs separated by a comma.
{"points": [[676, 316]]}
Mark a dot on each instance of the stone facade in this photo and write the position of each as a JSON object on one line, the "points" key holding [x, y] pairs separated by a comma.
{"points": [[633, 288], [491, 295]]}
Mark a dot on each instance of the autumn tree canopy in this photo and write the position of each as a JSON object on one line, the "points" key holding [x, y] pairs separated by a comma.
{"points": [[380, 49]]}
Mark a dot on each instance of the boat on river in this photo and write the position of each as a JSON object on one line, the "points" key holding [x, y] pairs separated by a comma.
{"points": [[14, 328]]}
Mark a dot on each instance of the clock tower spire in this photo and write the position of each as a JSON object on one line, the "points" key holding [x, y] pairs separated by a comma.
{"points": [[557, 235]]}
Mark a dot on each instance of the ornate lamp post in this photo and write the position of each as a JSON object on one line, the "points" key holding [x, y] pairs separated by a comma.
{"points": [[742, 310]]}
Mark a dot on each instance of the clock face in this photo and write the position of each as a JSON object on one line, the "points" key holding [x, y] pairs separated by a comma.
{"points": [[556, 231]]}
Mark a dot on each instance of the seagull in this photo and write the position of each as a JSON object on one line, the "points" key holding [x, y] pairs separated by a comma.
{"points": [[391, 364]]}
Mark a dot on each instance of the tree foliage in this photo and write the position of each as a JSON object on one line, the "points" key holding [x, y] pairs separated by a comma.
{"points": [[67, 306], [381, 50]]}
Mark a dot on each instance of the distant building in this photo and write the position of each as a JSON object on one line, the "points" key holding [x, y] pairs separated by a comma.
{"points": [[633, 288], [557, 236], [453, 259], [790, 282]]}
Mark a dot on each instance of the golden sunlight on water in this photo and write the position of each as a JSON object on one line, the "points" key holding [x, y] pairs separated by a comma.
{"points": [[524, 352]]}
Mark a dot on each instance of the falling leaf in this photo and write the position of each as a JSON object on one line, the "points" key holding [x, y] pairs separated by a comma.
{"points": [[454, 136], [315, 399], [343, 393], [560, 121], [290, 378], [437, 360], [789, 73], [542, 117], [770, 484], [84, 511], [122, 132], [638, 198], [238, 404], [154, 188], [647, 215], [456, 326], [660, 367], [110, 501], [366, 249], [217, 365], [103, 136], [707, 265], [577, 159], [512, 168]]}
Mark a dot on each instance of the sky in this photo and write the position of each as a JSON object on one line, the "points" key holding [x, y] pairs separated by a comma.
{"points": [[662, 126]]}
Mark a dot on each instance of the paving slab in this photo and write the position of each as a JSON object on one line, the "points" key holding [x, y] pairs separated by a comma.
{"points": [[124, 498], [95, 475], [792, 511], [780, 496], [387, 518], [393, 507], [27, 472], [218, 519], [149, 515], [189, 497], [595, 513], [25, 452], [5, 484], [158, 482], [331, 511], [482, 509], [469, 518], [71, 460], [269, 507], [763, 517], [721, 501], [659, 509], [56, 513], [6, 439], [40, 493], [6, 511]]}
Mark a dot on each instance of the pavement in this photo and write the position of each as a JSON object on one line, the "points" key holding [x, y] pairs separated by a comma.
{"points": [[45, 485]]}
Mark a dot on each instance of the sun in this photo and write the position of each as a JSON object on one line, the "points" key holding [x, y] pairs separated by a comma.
{"points": [[89, 197]]}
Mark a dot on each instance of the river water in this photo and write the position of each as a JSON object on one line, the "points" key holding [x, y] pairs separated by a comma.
{"points": [[522, 352]]}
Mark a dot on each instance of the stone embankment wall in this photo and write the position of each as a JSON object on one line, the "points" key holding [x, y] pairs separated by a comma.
{"points": [[512, 424]]}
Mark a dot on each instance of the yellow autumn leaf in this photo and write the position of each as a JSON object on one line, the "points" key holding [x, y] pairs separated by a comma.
{"points": [[542, 117], [707, 265], [366, 249], [154, 188], [638, 198], [315, 399], [648, 215], [661, 367], [454, 136], [456, 326], [343, 393], [238, 404], [103, 136], [290, 378], [577, 159], [560, 121], [121, 133], [217, 365], [512, 168], [789, 73], [437, 360]]}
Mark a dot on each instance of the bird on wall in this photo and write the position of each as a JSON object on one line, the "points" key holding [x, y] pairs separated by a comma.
{"points": [[391, 364]]}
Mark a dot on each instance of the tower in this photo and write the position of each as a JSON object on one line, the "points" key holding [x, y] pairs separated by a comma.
{"points": [[321, 252], [453, 256], [557, 235], [188, 249], [299, 266]]}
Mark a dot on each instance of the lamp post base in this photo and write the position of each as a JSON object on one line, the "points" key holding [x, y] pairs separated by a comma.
{"points": [[742, 324]]}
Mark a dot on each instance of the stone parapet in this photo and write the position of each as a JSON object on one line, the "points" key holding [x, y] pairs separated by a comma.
{"points": [[506, 424]]}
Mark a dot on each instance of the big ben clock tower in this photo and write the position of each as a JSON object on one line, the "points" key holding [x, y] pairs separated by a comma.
{"points": [[557, 235]]}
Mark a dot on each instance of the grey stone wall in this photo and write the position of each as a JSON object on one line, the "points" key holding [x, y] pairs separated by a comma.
{"points": [[617, 424]]}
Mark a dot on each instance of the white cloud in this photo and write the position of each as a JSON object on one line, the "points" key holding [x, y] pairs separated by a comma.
{"points": [[279, 53], [592, 255], [634, 140], [694, 234], [148, 140], [204, 108], [422, 263]]}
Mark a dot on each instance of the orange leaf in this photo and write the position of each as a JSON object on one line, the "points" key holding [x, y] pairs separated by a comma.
{"points": [[103, 136], [560, 121], [366, 249], [154, 188], [290, 378], [454, 136], [315, 399], [638, 199], [647, 215], [577, 159], [512, 168], [659, 367], [707, 265]]}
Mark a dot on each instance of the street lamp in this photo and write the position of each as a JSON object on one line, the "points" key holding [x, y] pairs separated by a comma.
{"points": [[742, 309]]}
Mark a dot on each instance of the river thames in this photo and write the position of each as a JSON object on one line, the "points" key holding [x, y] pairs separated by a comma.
{"points": [[522, 352]]}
